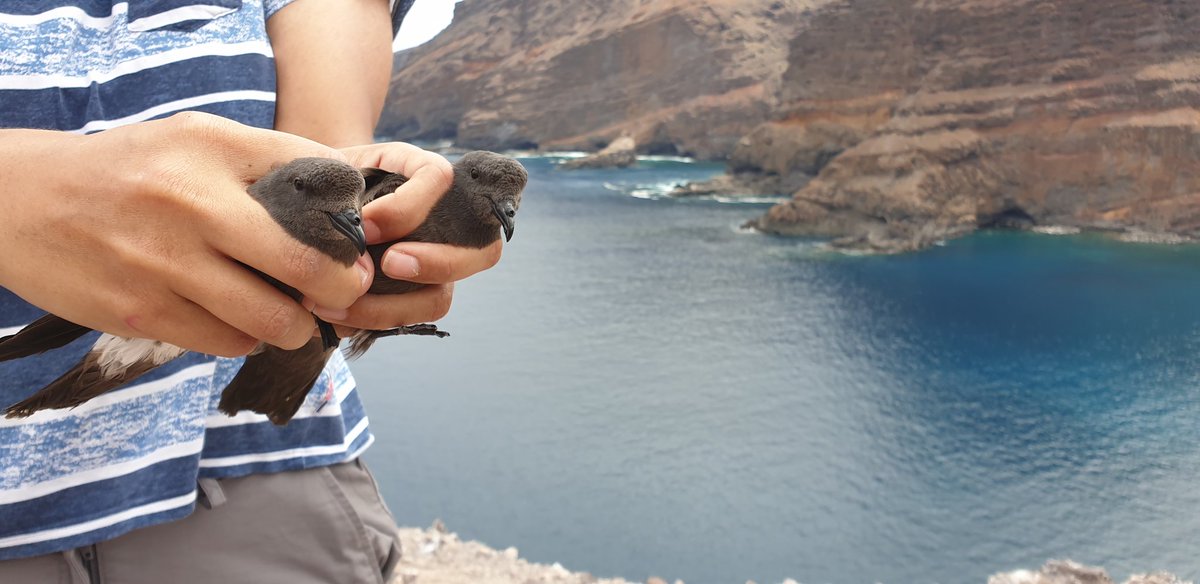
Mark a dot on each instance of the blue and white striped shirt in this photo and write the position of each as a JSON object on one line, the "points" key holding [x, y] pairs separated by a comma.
{"points": [[131, 458]]}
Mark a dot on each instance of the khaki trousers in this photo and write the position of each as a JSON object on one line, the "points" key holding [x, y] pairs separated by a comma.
{"points": [[324, 525]]}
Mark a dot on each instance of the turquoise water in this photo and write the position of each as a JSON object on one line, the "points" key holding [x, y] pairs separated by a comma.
{"points": [[640, 388]]}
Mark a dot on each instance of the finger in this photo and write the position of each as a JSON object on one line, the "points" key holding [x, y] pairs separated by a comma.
{"points": [[385, 311], [429, 177], [398, 157], [343, 332], [185, 324], [245, 232], [433, 263], [245, 301]]}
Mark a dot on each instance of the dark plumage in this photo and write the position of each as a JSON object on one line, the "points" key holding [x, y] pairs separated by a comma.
{"points": [[481, 204], [316, 200]]}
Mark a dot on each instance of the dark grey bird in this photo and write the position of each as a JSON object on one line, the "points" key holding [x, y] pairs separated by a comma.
{"points": [[481, 203], [316, 200]]}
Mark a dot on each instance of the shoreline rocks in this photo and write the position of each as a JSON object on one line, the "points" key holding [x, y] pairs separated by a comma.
{"points": [[1068, 572], [438, 556], [621, 153], [735, 186]]}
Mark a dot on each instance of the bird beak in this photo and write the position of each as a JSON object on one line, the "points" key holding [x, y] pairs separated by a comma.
{"points": [[505, 212], [349, 223]]}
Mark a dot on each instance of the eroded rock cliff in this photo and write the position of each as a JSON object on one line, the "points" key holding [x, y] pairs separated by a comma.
{"points": [[894, 123], [910, 121], [677, 76]]}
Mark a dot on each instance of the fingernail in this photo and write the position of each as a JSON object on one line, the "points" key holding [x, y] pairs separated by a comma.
{"points": [[400, 265], [338, 314]]}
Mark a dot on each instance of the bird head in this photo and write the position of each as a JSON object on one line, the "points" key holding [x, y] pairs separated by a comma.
{"points": [[493, 184], [319, 202]]}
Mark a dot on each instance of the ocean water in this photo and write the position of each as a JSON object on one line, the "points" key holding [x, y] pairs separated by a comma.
{"points": [[642, 388]]}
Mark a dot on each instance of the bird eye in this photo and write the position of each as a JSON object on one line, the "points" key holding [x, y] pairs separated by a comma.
{"points": [[475, 173], [298, 183]]}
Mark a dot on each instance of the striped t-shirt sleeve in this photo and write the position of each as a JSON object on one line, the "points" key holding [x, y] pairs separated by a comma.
{"points": [[399, 10]]}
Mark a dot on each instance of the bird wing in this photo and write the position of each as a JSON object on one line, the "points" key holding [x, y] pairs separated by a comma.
{"points": [[44, 334], [86, 380], [380, 182]]}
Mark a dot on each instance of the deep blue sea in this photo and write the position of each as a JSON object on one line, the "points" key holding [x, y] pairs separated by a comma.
{"points": [[640, 388]]}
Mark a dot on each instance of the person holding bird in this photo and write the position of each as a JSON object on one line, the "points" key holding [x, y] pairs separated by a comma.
{"points": [[132, 133]]}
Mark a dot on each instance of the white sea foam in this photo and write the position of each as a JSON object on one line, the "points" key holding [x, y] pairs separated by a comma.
{"points": [[658, 190], [665, 158], [1139, 236], [1056, 230], [848, 251], [664, 189], [573, 154], [745, 199], [565, 155]]}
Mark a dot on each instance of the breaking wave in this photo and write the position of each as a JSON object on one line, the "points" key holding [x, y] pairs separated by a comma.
{"points": [[663, 189]]}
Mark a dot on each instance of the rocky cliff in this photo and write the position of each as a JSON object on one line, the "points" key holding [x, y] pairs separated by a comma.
{"points": [[677, 76], [912, 121], [894, 123]]}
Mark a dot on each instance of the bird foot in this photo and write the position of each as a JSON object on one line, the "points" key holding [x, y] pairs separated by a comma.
{"points": [[424, 330], [362, 340]]}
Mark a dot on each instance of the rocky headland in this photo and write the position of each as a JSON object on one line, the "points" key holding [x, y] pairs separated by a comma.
{"points": [[893, 124], [621, 153], [679, 77], [939, 117]]}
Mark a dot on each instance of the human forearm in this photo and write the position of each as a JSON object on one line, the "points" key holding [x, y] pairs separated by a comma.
{"points": [[333, 62]]}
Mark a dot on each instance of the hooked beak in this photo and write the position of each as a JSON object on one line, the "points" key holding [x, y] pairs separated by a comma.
{"points": [[349, 223], [505, 212]]}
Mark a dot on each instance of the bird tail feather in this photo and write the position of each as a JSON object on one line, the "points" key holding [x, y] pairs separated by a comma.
{"points": [[360, 341], [275, 382]]}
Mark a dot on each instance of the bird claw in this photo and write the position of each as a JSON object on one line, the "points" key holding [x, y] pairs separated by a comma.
{"points": [[424, 330]]}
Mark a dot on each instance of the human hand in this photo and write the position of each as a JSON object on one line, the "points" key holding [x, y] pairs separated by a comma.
{"points": [[139, 231], [391, 218]]}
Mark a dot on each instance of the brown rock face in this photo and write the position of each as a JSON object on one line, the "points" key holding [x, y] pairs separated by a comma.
{"points": [[620, 154], [910, 121], [895, 123], [677, 76]]}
